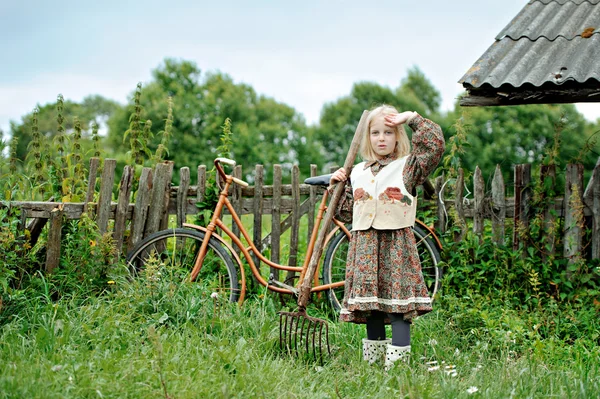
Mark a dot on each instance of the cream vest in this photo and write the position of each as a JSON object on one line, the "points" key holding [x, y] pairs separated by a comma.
{"points": [[382, 201]]}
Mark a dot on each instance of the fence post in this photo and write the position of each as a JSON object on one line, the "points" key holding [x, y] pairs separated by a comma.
{"points": [[201, 183], [140, 210], [458, 205], [312, 202], [548, 179], [89, 196], [478, 194], [104, 200], [295, 214], [259, 178], [596, 213], [498, 206], [236, 201], [160, 195], [522, 199], [122, 207], [573, 211], [182, 195], [275, 219], [54, 237]]}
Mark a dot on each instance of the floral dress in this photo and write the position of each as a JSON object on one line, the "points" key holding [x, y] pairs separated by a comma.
{"points": [[383, 271]]}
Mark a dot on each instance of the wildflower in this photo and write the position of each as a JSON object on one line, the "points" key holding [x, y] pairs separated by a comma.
{"points": [[56, 367], [433, 368], [214, 295], [472, 390], [432, 342], [110, 282], [92, 243]]}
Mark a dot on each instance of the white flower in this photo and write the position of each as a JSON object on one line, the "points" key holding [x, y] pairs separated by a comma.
{"points": [[472, 390], [214, 295], [433, 368], [432, 362], [432, 342]]}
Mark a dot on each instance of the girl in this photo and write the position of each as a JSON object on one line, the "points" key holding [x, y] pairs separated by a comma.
{"points": [[384, 282]]}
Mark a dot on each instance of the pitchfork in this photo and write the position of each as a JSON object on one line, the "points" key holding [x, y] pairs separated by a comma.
{"points": [[297, 329]]}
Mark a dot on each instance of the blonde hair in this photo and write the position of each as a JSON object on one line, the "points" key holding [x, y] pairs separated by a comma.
{"points": [[402, 143]]}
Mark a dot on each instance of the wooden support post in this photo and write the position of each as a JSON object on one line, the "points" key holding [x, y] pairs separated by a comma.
{"points": [[54, 238], [105, 199], [295, 215], [122, 205], [312, 203], [182, 195], [498, 206]]}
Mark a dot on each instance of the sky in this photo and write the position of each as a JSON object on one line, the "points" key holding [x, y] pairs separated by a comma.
{"points": [[304, 53]]}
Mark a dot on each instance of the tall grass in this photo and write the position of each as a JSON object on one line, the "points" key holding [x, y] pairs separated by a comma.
{"points": [[153, 337]]}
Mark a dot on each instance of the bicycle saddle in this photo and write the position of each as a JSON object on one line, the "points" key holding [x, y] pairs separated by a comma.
{"points": [[322, 180]]}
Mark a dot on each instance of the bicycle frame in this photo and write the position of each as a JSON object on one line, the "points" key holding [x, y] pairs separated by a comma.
{"points": [[217, 222]]}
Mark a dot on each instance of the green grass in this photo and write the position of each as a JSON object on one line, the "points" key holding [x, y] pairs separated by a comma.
{"points": [[153, 338]]}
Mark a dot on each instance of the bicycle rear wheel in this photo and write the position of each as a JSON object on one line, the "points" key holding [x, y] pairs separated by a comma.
{"points": [[175, 250], [334, 269]]}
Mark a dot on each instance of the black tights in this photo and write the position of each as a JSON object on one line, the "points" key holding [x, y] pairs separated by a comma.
{"points": [[400, 328]]}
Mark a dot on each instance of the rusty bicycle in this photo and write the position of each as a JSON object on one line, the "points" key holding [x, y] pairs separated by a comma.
{"points": [[200, 253]]}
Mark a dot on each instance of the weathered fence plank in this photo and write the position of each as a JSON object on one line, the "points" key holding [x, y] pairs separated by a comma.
{"points": [[258, 212], [54, 238], [236, 201], [295, 216], [458, 204], [522, 200], [122, 207], [596, 213], [159, 197], [201, 187], [140, 212], [573, 212], [478, 194], [182, 195], [105, 198], [548, 179], [498, 206], [89, 196], [275, 219]]}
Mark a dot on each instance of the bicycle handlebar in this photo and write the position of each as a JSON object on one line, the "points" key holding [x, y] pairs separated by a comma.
{"points": [[232, 163]]}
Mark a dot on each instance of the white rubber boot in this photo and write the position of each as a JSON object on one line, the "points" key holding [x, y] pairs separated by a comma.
{"points": [[374, 350], [394, 353]]}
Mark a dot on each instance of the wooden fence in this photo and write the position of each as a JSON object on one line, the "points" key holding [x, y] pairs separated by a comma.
{"points": [[156, 199]]}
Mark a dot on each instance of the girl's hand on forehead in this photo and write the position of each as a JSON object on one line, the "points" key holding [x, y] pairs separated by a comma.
{"points": [[398, 119]]}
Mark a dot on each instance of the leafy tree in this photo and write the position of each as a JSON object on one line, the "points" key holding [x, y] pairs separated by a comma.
{"points": [[525, 134], [264, 131], [340, 118]]}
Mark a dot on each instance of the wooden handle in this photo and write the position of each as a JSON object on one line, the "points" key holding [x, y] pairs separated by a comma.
{"points": [[331, 207]]}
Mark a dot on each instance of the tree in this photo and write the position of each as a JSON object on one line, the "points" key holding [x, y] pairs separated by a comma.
{"points": [[514, 135], [339, 119], [264, 130]]}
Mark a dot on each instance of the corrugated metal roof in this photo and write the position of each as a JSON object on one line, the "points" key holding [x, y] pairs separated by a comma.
{"points": [[549, 41], [552, 20]]}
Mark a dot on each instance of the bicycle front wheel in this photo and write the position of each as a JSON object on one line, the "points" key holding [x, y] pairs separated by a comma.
{"points": [[175, 251], [334, 269]]}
